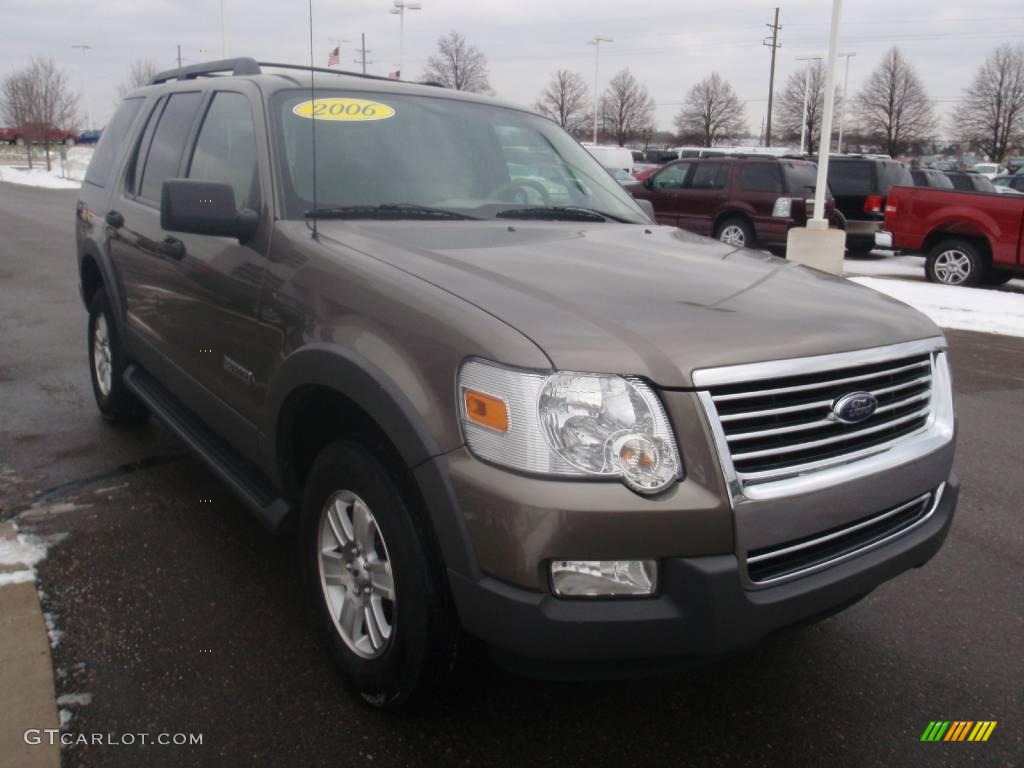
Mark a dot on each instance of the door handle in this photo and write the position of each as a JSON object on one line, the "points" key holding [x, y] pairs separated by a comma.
{"points": [[173, 248], [115, 219]]}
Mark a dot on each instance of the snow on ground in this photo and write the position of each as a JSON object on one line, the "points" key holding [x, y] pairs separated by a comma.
{"points": [[880, 263], [968, 309], [18, 171]]}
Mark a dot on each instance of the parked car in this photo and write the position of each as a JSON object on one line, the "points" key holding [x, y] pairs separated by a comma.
{"points": [[859, 185], [587, 440], [56, 136], [969, 238], [929, 177], [90, 137], [689, 153], [740, 200], [611, 157], [968, 181], [621, 176], [1002, 183], [988, 170], [1015, 165]]}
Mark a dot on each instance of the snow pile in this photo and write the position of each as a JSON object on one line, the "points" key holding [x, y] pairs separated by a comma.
{"points": [[24, 551], [967, 309]]}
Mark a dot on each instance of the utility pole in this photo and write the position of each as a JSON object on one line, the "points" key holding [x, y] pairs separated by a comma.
{"points": [[83, 48], [179, 57], [774, 45], [362, 54], [596, 42], [842, 111]]}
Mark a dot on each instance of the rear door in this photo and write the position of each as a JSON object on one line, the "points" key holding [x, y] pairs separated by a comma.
{"points": [[702, 195]]}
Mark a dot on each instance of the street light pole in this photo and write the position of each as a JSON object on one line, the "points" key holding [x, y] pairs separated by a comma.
{"points": [[85, 91], [842, 114], [400, 8], [819, 221], [223, 44], [807, 88], [596, 42]]}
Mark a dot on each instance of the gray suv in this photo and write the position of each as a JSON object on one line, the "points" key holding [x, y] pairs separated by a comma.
{"points": [[498, 408]]}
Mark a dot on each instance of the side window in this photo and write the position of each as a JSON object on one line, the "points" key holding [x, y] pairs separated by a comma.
{"points": [[111, 142], [168, 143], [671, 177], [708, 176], [226, 148], [761, 177]]}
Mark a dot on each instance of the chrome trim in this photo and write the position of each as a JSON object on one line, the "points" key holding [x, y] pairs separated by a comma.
{"points": [[817, 384], [798, 366], [862, 550], [797, 447]]}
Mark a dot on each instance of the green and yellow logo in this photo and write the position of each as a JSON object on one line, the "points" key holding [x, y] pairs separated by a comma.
{"points": [[958, 730]]}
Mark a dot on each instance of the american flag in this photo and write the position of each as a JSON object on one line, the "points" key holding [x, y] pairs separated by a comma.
{"points": [[396, 75], [332, 57]]}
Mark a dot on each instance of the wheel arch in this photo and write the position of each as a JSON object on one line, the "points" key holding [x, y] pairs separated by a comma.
{"points": [[732, 213]]}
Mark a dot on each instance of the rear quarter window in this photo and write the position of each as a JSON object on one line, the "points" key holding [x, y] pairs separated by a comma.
{"points": [[853, 178], [893, 175], [760, 177], [111, 142]]}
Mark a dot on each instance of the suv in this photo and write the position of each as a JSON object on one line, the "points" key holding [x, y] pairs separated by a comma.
{"points": [[745, 201], [592, 442], [860, 185], [929, 177], [1012, 182], [968, 181]]}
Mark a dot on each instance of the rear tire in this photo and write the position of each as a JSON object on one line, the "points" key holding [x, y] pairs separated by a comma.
{"points": [[957, 262], [107, 361], [413, 645], [736, 232]]}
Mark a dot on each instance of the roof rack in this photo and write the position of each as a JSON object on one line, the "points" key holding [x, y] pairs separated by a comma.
{"points": [[248, 66]]}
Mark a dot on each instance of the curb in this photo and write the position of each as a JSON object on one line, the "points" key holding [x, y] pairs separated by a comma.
{"points": [[26, 671]]}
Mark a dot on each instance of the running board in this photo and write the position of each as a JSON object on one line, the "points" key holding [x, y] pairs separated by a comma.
{"points": [[241, 476]]}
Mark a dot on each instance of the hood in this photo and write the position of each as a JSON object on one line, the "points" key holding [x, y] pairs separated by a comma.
{"points": [[651, 301]]}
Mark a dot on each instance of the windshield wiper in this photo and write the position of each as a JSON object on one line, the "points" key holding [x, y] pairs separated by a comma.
{"points": [[557, 213], [392, 211]]}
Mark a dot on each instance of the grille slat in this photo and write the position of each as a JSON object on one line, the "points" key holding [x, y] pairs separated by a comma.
{"points": [[776, 428]]}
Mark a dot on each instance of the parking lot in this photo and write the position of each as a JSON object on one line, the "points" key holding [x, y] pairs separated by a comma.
{"points": [[182, 615]]}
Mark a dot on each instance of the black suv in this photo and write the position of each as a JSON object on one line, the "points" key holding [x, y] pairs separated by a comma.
{"points": [[860, 185], [931, 177], [969, 181]]}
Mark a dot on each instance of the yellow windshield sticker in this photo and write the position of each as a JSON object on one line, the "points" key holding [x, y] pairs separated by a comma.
{"points": [[343, 109]]}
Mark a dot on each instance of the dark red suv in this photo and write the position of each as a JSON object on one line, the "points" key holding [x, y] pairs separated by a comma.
{"points": [[743, 200]]}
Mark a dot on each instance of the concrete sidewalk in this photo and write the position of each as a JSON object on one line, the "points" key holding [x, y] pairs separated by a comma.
{"points": [[26, 673]]}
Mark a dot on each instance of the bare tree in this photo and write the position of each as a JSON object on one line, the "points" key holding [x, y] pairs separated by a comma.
{"points": [[991, 114], [141, 72], [627, 110], [458, 65], [565, 100], [893, 108], [38, 100], [789, 106], [712, 111]]}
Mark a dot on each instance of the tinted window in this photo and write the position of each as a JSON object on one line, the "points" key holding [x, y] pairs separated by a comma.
{"points": [[853, 178], [760, 177], [111, 141], [1017, 182], [168, 143], [960, 181], [671, 177], [708, 176], [981, 184], [226, 148], [893, 175], [919, 177], [801, 178]]}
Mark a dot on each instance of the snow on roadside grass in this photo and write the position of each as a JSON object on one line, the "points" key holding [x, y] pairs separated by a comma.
{"points": [[966, 309], [38, 176]]}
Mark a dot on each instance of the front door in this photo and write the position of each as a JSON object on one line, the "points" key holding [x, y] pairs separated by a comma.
{"points": [[701, 196], [663, 192]]}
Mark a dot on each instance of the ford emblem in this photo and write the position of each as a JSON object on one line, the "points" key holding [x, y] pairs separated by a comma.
{"points": [[854, 407]]}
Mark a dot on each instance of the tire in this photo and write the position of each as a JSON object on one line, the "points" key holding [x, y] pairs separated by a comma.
{"points": [[107, 361], [414, 646], [736, 231], [999, 276], [859, 251], [957, 262]]}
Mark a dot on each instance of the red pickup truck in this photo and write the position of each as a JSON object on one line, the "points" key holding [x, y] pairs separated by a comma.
{"points": [[969, 238], [56, 135]]}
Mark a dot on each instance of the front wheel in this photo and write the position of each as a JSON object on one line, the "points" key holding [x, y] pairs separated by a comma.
{"points": [[374, 578], [736, 232], [956, 262]]}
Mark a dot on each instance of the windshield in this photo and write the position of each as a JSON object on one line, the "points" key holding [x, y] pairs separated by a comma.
{"points": [[478, 160]]}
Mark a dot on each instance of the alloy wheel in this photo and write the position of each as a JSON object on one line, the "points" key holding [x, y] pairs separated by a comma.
{"points": [[101, 357], [952, 267], [733, 235], [355, 575]]}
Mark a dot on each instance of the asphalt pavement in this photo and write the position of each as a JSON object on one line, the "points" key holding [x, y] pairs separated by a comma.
{"points": [[180, 615]]}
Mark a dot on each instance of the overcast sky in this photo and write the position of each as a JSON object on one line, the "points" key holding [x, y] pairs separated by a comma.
{"points": [[668, 45]]}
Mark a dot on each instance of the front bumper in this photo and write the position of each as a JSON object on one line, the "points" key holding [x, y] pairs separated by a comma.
{"points": [[702, 608]]}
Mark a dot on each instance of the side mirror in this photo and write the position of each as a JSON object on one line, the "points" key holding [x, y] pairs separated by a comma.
{"points": [[204, 208], [649, 182], [646, 206]]}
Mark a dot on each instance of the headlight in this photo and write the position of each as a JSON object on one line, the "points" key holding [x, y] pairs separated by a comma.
{"points": [[569, 424]]}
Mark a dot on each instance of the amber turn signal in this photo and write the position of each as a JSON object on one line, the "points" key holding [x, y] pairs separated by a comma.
{"points": [[485, 410]]}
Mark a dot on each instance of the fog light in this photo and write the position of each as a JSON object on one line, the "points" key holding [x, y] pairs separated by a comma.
{"points": [[602, 578]]}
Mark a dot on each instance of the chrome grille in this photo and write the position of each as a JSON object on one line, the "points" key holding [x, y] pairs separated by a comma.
{"points": [[779, 427], [801, 556]]}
